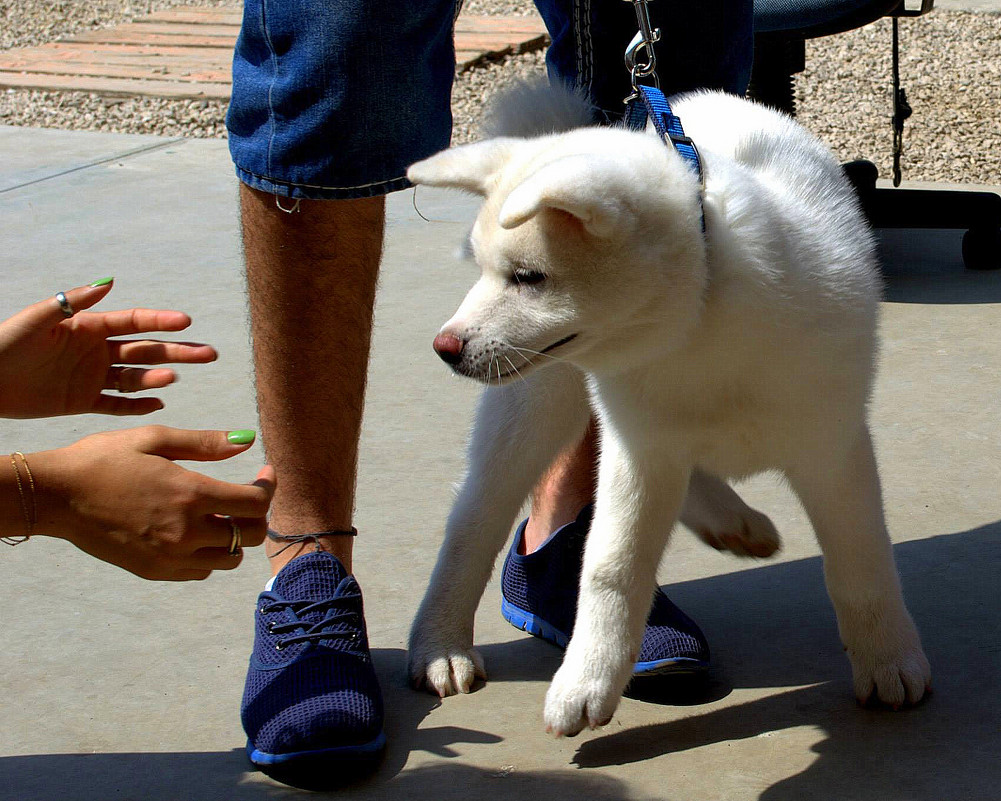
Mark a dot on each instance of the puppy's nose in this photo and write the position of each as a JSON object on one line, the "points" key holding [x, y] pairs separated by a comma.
{"points": [[449, 347]]}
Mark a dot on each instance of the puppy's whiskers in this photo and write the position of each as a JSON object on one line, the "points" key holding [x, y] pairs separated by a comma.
{"points": [[514, 369], [522, 351]]}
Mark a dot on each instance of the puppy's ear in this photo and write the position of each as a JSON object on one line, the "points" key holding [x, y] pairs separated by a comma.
{"points": [[580, 186], [468, 167]]}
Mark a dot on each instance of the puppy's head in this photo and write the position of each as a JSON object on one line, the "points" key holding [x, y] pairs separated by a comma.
{"points": [[589, 245]]}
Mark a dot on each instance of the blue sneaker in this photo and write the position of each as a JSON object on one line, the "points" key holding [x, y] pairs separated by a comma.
{"points": [[540, 596], [312, 708]]}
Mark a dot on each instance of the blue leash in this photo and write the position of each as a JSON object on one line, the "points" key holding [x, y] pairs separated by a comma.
{"points": [[649, 103], [654, 106]]}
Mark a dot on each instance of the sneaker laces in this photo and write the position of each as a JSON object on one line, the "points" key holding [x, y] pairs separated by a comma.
{"points": [[336, 611]]}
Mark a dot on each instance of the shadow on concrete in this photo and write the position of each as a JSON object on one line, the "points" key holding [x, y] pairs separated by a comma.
{"points": [[770, 627], [926, 266], [528, 659], [405, 709], [774, 627], [221, 776]]}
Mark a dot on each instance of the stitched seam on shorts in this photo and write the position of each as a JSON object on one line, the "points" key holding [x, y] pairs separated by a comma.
{"points": [[274, 80], [583, 44], [577, 41], [321, 186]]}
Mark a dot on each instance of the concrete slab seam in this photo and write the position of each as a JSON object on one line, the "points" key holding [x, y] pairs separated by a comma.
{"points": [[117, 157]]}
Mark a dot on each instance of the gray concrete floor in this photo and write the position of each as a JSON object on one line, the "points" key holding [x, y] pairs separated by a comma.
{"points": [[118, 688], [990, 6]]}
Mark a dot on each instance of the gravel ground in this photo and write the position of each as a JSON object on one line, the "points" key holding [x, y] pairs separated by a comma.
{"points": [[950, 66]]}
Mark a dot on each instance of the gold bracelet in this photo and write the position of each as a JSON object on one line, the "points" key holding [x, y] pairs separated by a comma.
{"points": [[30, 511]]}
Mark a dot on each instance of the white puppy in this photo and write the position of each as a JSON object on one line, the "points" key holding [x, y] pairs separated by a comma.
{"points": [[745, 348]]}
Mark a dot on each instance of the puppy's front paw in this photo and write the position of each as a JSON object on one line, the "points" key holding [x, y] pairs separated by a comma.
{"points": [[745, 532], [443, 664], [579, 699], [890, 667]]}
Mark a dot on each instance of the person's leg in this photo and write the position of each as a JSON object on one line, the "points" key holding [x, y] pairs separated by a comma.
{"points": [[329, 108], [311, 278], [566, 488], [705, 45]]}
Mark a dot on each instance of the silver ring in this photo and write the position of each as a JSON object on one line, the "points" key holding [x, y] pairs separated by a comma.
{"points": [[236, 538], [64, 304]]}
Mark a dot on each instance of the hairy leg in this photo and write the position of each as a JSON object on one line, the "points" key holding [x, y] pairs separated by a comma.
{"points": [[566, 488], [311, 278]]}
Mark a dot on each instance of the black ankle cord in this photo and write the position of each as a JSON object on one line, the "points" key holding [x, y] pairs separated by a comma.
{"points": [[299, 539]]}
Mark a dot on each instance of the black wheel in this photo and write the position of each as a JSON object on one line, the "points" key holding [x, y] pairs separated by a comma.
{"points": [[982, 249]]}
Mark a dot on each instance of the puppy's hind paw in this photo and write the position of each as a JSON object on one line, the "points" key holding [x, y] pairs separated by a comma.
{"points": [[747, 532], [897, 682], [447, 671], [888, 664]]}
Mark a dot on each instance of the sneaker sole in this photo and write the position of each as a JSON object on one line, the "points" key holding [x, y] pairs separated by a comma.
{"points": [[537, 627], [322, 769]]}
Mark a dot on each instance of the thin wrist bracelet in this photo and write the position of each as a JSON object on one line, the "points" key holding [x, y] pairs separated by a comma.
{"points": [[28, 507]]}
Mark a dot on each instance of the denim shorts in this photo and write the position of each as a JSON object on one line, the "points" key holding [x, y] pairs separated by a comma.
{"points": [[334, 99]]}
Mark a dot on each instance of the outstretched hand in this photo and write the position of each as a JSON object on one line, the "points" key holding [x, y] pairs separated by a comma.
{"points": [[121, 496], [51, 364]]}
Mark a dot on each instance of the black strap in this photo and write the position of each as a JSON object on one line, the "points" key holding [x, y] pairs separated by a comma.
{"points": [[300, 539]]}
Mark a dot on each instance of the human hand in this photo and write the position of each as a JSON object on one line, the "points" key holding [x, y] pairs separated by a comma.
{"points": [[51, 364], [120, 496]]}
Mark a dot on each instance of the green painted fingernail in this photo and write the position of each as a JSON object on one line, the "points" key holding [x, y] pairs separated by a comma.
{"points": [[242, 437], [103, 281]]}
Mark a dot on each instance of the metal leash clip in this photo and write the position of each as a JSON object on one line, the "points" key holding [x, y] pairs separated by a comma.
{"points": [[641, 61]]}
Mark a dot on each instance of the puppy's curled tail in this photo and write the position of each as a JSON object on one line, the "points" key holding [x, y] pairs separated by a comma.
{"points": [[535, 108]]}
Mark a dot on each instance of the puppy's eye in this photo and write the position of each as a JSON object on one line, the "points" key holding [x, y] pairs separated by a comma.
{"points": [[525, 276]]}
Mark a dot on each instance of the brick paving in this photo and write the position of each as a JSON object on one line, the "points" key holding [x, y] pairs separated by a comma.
{"points": [[186, 53]]}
